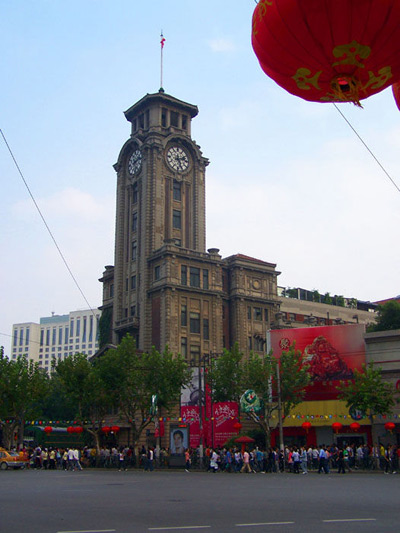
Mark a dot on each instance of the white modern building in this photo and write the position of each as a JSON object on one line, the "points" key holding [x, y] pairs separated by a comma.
{"points": [[57, 337]]}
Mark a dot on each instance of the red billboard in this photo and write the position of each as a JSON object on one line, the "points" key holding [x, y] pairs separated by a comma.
{"points": [[331, 352], [217, 429]]}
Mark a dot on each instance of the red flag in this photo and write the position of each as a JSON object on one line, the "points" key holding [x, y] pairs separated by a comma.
{"points": [[162, 41]]}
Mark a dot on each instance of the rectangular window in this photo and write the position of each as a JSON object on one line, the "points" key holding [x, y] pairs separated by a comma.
{"points": [[41, 337], [249, 313], [91, 328], [71, 328], [174, 118], [176, 219], [164, 118], [184, 122], [157, 273], [206, 332], [205, 279], [78, 327], [84, 329], [194, 352], [15, 342], [183, 315], [177, 191], [258, 344], [250, 343], [54, 337], [47, 337], [27, 336], [60, 335], [134, 251], [184, 346], [194, 277], [266, 315], [183, 275], [21, 337], [133, 283], [194, 322], [133, 310], [134, 222], [66, 335], [257, 313], [135, 193]]}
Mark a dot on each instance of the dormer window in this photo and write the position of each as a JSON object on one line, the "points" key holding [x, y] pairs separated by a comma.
{"points": [[174, 119], [164, 118]]}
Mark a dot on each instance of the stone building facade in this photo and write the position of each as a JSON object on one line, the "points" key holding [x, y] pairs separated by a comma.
{"points": [[165, 288]]}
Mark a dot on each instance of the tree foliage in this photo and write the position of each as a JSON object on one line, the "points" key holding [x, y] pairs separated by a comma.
{"points": [[231, 375], [133, 378], [388, 317], [81, 382], [23, 385], [225, 376], [369, 392]]}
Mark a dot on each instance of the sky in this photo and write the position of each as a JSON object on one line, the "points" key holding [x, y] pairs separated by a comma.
{"points": [[289, 182]]}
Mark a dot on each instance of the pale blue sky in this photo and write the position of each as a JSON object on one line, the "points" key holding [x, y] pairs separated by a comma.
{"points": [[288, 181]]}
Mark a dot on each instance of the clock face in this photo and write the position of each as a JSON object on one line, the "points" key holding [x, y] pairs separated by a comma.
{"points": [[177, 159], [135, 162]]}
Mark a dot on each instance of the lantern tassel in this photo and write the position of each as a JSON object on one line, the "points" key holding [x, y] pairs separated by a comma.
{"points": [[346, 89]]}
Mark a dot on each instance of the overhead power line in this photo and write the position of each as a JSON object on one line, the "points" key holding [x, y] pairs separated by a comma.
{"points": [[46, 225], [367, 147]]}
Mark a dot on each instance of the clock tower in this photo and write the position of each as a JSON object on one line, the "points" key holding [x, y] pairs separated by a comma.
{"points": [[165, 288], [160, 202]]}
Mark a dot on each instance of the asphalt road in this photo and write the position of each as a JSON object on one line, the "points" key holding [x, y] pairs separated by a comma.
{"points": [[99, 501]]}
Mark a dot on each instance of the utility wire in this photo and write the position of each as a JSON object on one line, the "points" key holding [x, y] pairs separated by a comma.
{"points": [[367, 147], [45, 223]]}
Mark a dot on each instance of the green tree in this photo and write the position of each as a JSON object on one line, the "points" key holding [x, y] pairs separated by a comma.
{"points": [[368, 393], [232, 375], [23, 385], [81, 382], [388, 317], [327, 298], [260, 374], [225, 376], [134, 378]]}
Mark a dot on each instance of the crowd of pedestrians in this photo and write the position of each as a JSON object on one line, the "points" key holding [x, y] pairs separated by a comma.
{"points": [[293, 459], [296, 460]]}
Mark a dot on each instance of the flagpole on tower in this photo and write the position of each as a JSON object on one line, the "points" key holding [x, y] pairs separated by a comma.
{"points": [[161, 73]]}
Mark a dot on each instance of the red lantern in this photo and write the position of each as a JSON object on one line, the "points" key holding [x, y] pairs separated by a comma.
{"points": [[306, 426], [337, 426], [237, 426], [389, 426], [48, 429], [78, 429], [396, 94], [355, 426], [106, 429], [336, 50], [115, 429], [70, 429]]}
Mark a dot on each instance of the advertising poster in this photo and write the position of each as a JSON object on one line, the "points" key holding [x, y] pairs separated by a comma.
{"points": [[332, 353], [225, 415], [178, 439], [217, 429], [190, 394]]}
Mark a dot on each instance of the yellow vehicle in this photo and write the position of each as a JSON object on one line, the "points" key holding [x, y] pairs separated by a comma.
{"points": [[12, 459]]}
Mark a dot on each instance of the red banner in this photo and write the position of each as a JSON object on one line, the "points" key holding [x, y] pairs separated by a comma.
{"points": [[332, 353], [217, 429], [225, 414]]}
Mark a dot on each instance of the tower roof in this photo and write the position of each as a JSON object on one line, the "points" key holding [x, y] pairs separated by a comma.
{"points": [[160, 98]]}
